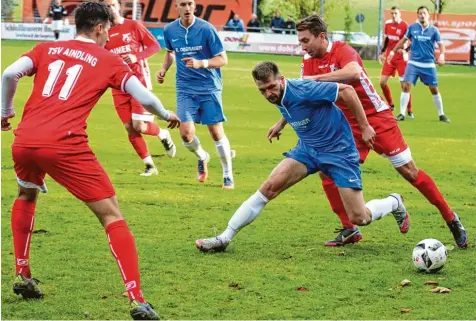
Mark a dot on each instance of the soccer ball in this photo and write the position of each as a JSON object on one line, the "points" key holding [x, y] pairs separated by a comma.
{"points": [[429, 255]]}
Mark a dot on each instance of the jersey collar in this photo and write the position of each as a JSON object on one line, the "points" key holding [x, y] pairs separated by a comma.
{"points": [[193, 22], [121, 20], [329, 46], [83, 39]]}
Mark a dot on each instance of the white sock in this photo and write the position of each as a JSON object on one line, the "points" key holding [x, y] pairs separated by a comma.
{"points": [[224, 152], [244, 215], [148, 160], [404, 99], [382, 207], [195, 147], [163, 134], [438, 101]]}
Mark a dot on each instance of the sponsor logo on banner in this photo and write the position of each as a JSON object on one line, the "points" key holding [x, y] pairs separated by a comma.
{"points": [[260, 43], [35, 31]]}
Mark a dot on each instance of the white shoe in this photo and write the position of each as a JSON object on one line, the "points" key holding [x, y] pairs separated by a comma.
{"points": [[169, 146], [150, 170], [214, 244]]}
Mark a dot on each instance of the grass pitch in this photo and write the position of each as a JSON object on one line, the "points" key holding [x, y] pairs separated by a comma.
{"points": [[258, 276]]}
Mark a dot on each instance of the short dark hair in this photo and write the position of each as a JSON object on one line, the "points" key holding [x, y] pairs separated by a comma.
{"points": [[89, 14], [264, 70], [394, 8], [313, 23], [422, 7]]}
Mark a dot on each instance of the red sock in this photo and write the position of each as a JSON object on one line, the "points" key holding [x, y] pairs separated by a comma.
{"points": [[335, 201], [124, 250], [388, 94], [152, 129], [139, 144], [428, 188], [23, 213], [409, 107]]}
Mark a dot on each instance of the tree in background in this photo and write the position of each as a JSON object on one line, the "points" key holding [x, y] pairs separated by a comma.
{"points": [[348, 20], [443, 5], [8, 6]]}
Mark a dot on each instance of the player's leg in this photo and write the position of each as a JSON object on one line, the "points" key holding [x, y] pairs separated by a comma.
{"points": [[143, 122], [124, 111], [285, 175], [188, 111], [401, 67], [81, 174], [387, 71], [30, 180], [212, 115], [438, 101], [392, 140], [411, 76]]}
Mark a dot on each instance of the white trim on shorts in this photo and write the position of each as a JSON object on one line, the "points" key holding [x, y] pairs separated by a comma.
{"points": [[401, 78], [25, 184], [143, 117], [401, 158]]}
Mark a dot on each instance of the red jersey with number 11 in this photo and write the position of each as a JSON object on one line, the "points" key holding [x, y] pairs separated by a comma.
{"points": [[338, 55], [70, 77]]}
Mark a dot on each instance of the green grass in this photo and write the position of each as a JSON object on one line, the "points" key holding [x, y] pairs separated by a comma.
{"points": [[280, 251]]}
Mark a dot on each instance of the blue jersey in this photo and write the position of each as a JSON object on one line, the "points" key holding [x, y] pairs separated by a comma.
{"points": [[422, 49], [308, 106], [200, 41]]}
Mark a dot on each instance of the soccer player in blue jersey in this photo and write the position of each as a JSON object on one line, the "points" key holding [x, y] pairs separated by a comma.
{"points": [[421, 65], [199, 53], [325, 145]]}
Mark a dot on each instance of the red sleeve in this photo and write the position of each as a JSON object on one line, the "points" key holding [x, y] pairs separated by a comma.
{"points": [[148, 40], [35, 55], [306, 67], [385, 29], [347, 54], [119, 73]]}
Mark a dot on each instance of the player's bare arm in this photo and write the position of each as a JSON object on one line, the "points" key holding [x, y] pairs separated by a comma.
{"points": [[169, 59], [150, 102], [218, 61], [395, 49], [349, 97], [351, 72], [381, 57], [275, 130], [441, 58]]}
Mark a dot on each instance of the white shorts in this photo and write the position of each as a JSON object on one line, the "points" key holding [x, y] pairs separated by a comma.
{"points": [[57, 24]]}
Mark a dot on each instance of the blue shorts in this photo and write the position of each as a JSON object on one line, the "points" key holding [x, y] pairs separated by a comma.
{"points": [[343, 167], [427, 75], [204, 109]]}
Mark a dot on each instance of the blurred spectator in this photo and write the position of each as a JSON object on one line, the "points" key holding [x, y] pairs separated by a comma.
{"points": [[253, 25], [290, 26], [277, 23], [235, 24]]}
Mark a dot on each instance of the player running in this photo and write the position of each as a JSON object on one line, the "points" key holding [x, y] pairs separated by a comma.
{"points": [[199, 53], [337, 61], [57, 15], [134, 43], [70, 77], [394, 30], [325, 145], [422, 61]]}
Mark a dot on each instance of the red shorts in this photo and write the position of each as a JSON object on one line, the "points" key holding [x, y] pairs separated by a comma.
{"points": [[128, 108], [389, 143], [396, 65], [78, 171]]}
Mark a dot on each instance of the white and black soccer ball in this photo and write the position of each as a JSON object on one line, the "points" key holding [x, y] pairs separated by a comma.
{"points": [[429, 255]]}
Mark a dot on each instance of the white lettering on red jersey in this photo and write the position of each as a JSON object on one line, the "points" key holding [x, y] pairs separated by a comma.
{"points": [[394, 32], [338, 55], [70, 77], [131, 37]]}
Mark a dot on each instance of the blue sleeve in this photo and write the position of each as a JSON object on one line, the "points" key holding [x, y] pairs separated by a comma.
{"points": [[323, 91], [408, 34], [168, 45], [436, 35], [214, 42]]}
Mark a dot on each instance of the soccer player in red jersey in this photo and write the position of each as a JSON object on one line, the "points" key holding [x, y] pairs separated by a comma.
{"points": [[339, 62], [134, 43], [70, 77], [394, 30]]}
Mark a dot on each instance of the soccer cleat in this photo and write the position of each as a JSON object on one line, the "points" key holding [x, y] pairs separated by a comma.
{"points": [[444, 119], [459, 232], [214, 244], [401, 214], [400, 117], [228, 183], [27, 288], [169, 146], [202, 170], [345, 236], [143, 311], [150, 170], [411, 115]]}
